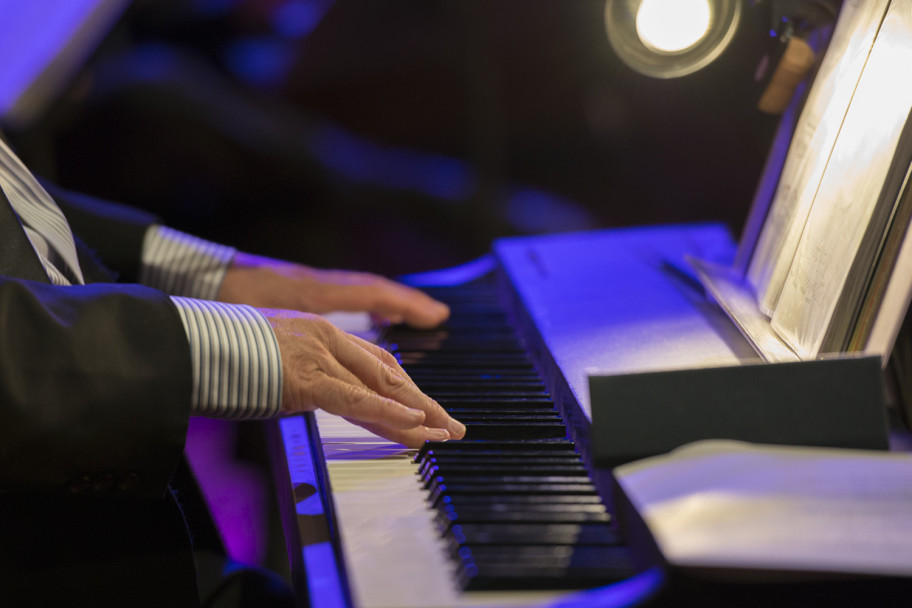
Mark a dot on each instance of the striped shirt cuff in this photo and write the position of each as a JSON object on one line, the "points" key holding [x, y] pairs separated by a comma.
{"points": [[183, 265], [237, 369]]}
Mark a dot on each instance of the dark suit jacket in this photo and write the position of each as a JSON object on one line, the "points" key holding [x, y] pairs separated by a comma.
{"points": [[95, 385]]}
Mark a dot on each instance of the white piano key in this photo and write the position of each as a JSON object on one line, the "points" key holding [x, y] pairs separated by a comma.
{"points": [[393, 553]]}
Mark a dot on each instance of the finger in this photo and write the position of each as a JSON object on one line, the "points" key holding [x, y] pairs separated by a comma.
{"points": [[392, 381], [412, 438], [378, 351], [380, 371], [364, 406], [395, 302], [413, 307]]}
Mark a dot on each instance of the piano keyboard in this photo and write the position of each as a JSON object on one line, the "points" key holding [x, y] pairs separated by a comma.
{"points": [[506, 517]]}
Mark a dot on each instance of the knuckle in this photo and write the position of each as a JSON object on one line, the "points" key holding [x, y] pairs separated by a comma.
{"points": [[389, 359], [320, 326], [391, 381]]}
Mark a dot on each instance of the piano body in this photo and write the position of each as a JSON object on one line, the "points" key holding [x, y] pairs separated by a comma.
{"points": [[363, 529], [524, 511]]}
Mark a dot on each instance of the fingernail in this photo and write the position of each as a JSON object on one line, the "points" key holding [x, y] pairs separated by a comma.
{"points": [[438, 435], [457, 429]]}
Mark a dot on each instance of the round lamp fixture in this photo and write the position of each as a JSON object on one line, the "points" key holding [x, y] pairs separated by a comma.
{"points": [[670, 38]]}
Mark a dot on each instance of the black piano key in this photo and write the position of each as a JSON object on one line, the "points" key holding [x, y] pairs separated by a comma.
{"points": [[489, 344], [483, 457], [552, 555], [518, 387], [505, 410], [508, 430], [469, 374], [421, 378], [490, 400], [434, 480], [570, 468], [503, 394], [536, 567], [502, 535], [519, 500], [514, 417], [616, 558], [563, 462], [441, 458], [510, 577], [496, 446], [438, 493], [468, 415], [516, 457], [567, 515], [503, 480], [396, 334], [514, 497], [528, 483], [495, 507], [494, 401], [559, 461], [442, 359]]}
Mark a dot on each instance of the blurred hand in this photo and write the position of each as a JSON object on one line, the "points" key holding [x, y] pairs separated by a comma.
{"points": [[268, 283], [324, 367]]}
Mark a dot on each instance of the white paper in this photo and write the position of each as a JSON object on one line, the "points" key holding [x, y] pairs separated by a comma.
{"points": [[848, 196], [814, 138], [727, 504]]}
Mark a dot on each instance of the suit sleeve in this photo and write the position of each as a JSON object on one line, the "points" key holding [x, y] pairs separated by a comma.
{"points": [[105, 231], [94, 388]]}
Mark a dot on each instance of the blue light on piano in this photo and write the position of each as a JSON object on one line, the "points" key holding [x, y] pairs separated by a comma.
{"points": [[631, 592], [458, 536], [323, 576], [455, 275]]}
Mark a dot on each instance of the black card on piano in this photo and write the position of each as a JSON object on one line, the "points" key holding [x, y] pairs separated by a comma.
{"points": [[824, 403]]}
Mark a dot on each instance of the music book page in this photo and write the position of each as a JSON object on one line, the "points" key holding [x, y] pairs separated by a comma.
{"points": [[855, 199], [734, 505], [814, 137]]}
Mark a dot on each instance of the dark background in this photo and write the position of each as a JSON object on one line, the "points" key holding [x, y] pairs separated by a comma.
{"points": [[401, 135]]}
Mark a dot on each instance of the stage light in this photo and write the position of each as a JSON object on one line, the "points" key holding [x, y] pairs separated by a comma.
{"points": [[670, 38], [672, 26]]}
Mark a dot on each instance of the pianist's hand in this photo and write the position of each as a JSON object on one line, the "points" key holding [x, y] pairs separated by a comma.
{"points": [[325, 367], [268, 283]]}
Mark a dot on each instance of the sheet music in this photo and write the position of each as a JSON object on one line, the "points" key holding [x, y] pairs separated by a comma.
{"points": [[849, 205], [727, 504], [814, 137]]}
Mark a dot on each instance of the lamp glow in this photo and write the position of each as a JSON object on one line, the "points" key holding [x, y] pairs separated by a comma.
{"points": [[670, 38], [673, 26]]}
